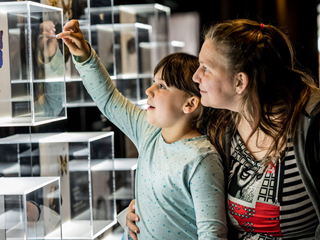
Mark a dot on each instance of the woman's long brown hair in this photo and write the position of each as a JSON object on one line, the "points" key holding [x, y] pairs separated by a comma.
{"points": [[277, 89]]}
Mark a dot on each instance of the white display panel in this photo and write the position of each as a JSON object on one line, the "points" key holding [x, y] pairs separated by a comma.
{"points": [[32, 89], [30, 208]]}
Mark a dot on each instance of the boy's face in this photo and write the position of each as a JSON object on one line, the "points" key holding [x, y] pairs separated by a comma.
{"points": [[165, 104]]}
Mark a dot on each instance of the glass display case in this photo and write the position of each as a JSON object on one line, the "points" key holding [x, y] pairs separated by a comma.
{"points": [[20, 155], [91, 16], [84, 161], [125, 171], [131, 54], [32, 88], [30, 208], [155, 15]]}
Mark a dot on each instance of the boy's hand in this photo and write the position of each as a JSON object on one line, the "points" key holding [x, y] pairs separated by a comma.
{"points": [[74, 39]]}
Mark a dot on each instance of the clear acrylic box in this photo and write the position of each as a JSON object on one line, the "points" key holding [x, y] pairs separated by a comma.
{"points": [[72, 10], [20, 155], [132, 73], [32, 91], [155, 15], [77, 95], [30, 208], [131, 49], [125, 169], [84, 161]]}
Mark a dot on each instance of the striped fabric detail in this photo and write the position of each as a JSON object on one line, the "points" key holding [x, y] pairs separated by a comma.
{"points": [[298, 219]]}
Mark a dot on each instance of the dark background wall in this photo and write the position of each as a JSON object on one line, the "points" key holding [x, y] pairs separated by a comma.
{"points": [[297, 18]]}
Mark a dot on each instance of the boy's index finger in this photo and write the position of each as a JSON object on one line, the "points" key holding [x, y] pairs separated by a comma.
{"points": [[64, 34]]}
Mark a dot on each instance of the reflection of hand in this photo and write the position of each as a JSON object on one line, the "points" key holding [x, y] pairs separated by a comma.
{"points": [[47, 40], [33, 212], [131, 219], [74, 39]]}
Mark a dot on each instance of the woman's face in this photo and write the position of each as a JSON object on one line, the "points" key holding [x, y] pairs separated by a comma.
{"points": [[217, 89]]}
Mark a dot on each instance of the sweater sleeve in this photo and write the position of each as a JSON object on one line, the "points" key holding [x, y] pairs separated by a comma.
{"points": [[207, 187], [129, 118]]}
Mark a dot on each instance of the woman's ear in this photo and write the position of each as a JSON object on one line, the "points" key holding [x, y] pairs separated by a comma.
{"points": [[191, 104], [242, 81]]}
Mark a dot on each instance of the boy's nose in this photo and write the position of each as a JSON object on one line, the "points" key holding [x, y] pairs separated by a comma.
{"points": [[148, 91]]}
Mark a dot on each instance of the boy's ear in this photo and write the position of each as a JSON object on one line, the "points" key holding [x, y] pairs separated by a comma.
{"points": [[242, 82], [191, 104]]}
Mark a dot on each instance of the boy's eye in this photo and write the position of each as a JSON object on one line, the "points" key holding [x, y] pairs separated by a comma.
{"points": [[161, 86]]}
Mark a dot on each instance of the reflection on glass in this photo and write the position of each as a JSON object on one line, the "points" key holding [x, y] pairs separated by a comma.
{"points": [[49, 94]]}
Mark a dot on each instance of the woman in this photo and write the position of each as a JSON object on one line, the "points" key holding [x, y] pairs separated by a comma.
{"points": [[269, 133]]}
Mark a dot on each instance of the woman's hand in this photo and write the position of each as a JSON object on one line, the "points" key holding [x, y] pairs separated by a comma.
{"points": [[131, 219], [74, 39]]}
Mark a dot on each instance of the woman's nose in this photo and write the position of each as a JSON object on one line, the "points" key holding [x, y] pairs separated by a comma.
{"points": [[196, 76]]}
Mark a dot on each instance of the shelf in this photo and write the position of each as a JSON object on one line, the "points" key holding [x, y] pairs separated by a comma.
{"points": [[74, 104], [9, 168], [125, 164], [24, 185], [81, 229], [123, 193], [24, 121]]}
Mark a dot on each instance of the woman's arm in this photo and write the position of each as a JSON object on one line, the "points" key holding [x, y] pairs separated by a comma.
{"points": [[131, 219]]}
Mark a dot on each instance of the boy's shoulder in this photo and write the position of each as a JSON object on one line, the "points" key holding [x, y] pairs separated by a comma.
{"points": [[202, 145]]}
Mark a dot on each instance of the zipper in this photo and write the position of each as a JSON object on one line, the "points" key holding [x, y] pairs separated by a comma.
{"points": [[278, 182]]}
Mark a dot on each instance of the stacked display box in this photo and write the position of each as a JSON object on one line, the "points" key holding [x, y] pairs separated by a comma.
{"points": [[77, 95], [30, 208], [32, 92], [84, 161], [155, 15], [132, 73], [130, 40], [125, 171]]}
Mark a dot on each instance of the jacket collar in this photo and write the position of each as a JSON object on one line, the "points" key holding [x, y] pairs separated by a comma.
{"points": [[312, 107]]}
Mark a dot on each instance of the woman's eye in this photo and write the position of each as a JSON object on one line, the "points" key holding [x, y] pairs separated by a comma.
{"points": [[205, 69]]}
